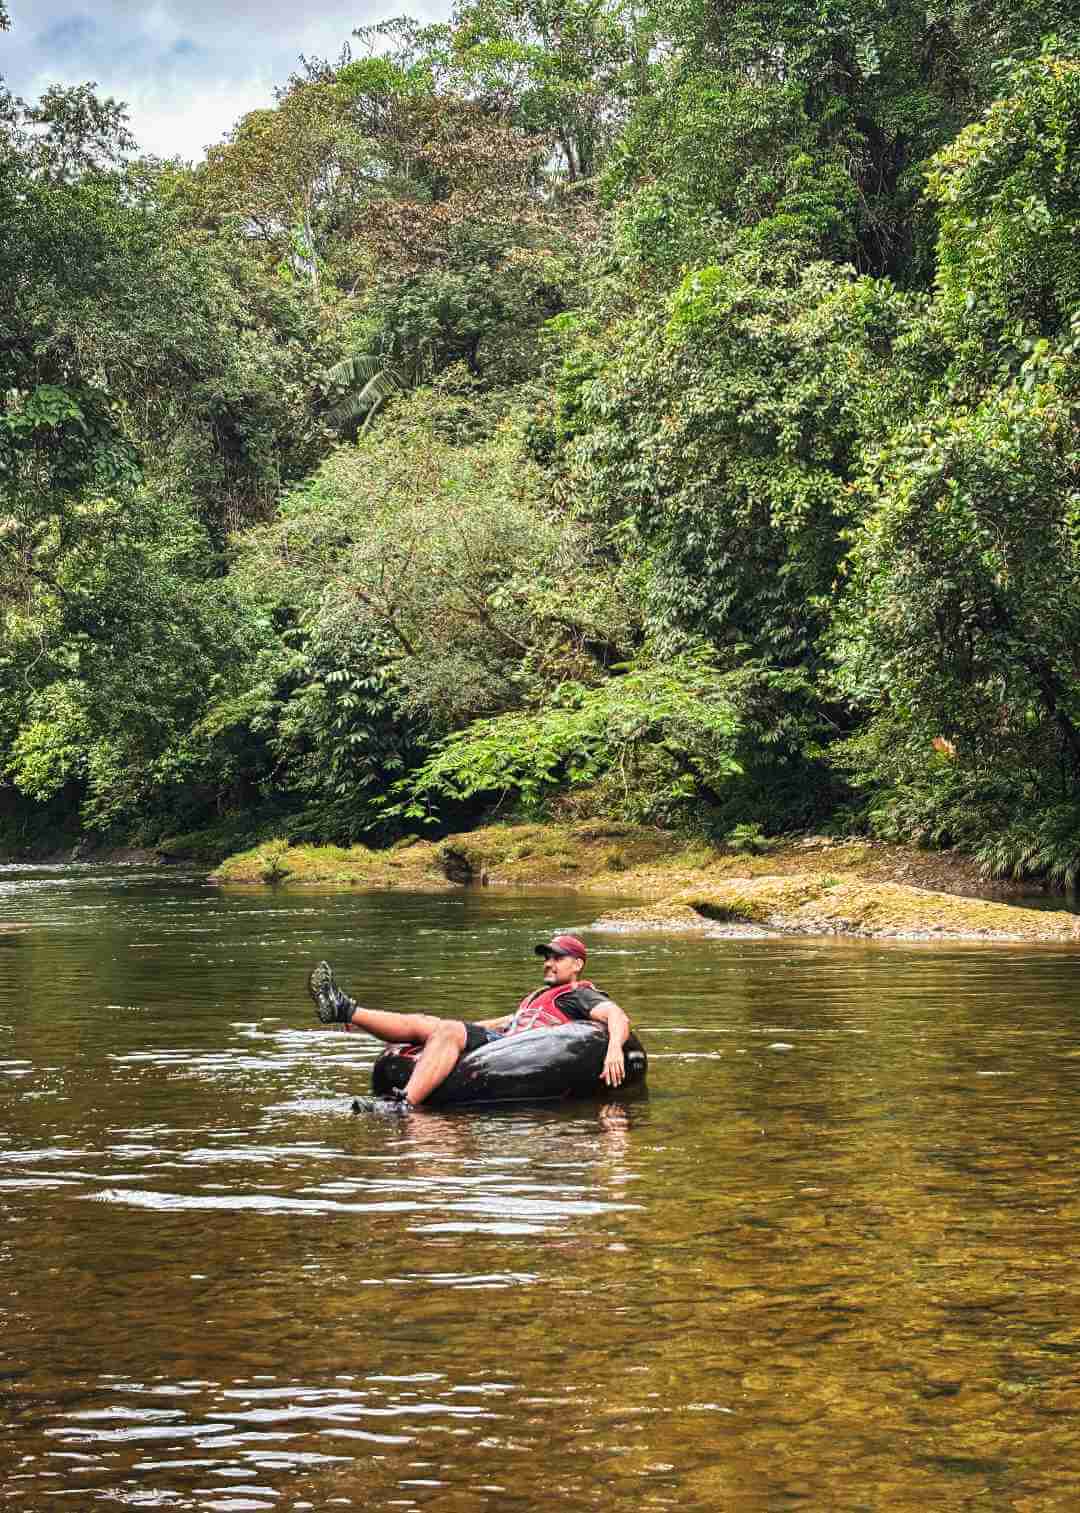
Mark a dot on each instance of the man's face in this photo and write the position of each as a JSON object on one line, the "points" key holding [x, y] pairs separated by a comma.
{"points": [[559, 969]]}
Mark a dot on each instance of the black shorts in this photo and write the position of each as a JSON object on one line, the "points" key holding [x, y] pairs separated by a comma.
{"points": [[477, 1035]]}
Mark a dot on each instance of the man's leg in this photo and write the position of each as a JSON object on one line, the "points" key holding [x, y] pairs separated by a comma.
{"points": [[441, 1053], [335, 1007], [443, 1039], [395, 1029]]}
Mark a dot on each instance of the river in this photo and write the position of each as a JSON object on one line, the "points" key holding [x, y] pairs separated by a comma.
{"points": [[829, 1262]]}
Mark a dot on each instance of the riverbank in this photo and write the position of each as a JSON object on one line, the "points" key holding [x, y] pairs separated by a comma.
{"points": [[820, 903], [597, 855], [811, 885]]}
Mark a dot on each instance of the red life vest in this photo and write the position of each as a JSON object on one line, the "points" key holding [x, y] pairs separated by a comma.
{"points": [[540, 1010]]}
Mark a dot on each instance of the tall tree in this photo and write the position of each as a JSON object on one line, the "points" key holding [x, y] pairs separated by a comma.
{"points": [[571, 69]]}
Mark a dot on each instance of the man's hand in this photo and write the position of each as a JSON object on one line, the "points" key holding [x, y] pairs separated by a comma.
{"points": [[502, 1023], [614, 1066], [618, 1029]]}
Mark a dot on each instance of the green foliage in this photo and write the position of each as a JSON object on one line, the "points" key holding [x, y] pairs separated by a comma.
{"points": [[568, 68], [448, 556], [710, 157], [873, 91], [1043, 845], [341, 726], [368, 381], [151, 397], [112, 645], [412, 585], [730, 434], [1009, 192], [49, 751], [954, 635], [914, 791], [483, 306], [723, 472], [964, 603], [171, 350], [274, 868], [664, 733], [75, 133], [747, 838]]}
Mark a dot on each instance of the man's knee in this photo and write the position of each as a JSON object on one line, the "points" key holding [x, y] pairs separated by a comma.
{"points": [[450, 1033]]}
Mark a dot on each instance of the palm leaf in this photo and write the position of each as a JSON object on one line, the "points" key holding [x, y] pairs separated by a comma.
{"points": [[355, 369], [369, 380]]}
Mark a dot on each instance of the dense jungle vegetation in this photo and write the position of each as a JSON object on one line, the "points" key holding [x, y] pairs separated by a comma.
{"points": [[595, 408]]}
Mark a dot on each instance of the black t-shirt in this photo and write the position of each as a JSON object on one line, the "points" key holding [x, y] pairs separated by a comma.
{"points": [[579, 1002]]}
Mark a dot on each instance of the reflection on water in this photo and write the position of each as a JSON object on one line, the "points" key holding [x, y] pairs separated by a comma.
{"points": [[827, 1262]]}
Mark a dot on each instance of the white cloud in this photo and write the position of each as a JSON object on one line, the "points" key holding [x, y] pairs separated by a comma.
{"points": [[187, 69], [187, 117]]}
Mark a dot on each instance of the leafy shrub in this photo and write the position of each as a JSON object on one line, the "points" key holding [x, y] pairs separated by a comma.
{"points": [[666, 732], [272, 864], [747, 837], [709, 154], [1008, 189]]}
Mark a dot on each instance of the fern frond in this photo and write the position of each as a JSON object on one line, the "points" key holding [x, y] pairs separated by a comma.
{"points": [[1042, 845]]}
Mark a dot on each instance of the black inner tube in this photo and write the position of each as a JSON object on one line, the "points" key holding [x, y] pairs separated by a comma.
{"points": [[536, 1065]]}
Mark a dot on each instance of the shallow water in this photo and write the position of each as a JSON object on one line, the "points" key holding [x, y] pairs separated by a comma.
{"points": [[829, 1262]]}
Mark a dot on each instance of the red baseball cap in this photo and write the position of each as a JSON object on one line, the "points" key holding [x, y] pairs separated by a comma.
{"points": [[562, 945]]}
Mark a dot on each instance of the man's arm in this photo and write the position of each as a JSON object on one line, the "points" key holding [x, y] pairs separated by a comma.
{"points": [[618, 1029], [495, 1024]]}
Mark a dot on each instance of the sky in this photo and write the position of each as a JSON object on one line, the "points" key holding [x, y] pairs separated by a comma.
{"points": [[188, 69]]}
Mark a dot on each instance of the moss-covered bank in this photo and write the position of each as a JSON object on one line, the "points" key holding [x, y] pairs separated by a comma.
{"points": [[811, 885], [597, 855], [819, 903]]}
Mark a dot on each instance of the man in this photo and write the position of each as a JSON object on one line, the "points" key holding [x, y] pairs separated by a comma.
{"points": [[565, 996]]}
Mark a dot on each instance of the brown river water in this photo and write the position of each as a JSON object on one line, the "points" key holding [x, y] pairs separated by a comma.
{"points": [[828, 1262]]}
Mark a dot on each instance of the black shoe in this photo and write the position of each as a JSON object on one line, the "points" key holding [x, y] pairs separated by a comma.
{"points": [[331, 1004], [380, 1106]]}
